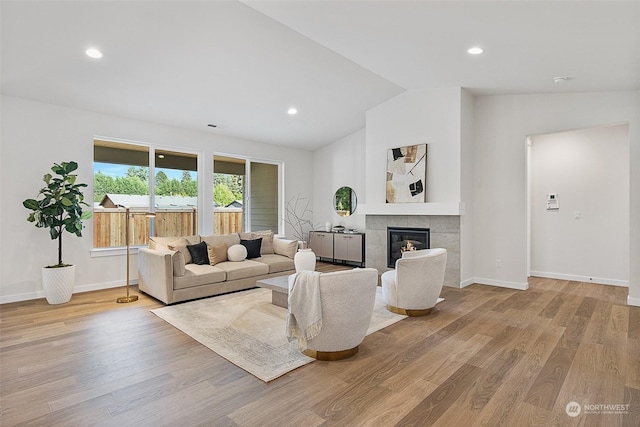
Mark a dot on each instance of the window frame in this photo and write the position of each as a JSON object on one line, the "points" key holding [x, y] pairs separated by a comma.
{"points": [[152, 148], [280, 190]]}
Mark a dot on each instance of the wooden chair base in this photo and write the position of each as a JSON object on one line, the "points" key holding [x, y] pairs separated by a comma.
{"points": [[331, 355], [410, 313]]}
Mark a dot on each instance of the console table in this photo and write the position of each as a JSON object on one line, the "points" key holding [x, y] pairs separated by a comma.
{"points": [[338, 247]]}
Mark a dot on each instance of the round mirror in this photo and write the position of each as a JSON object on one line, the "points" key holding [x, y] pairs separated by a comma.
{"points": [[345, 201]]}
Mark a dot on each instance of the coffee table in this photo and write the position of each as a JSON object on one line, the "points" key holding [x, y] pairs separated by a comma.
{"points": [[279, 289]]}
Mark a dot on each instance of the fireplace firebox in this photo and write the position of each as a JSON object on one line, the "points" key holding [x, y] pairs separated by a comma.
{"points": [[401, 239]]}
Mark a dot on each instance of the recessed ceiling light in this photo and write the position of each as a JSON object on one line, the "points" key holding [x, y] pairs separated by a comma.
{"points": [[560, 79], [161, 156], [93, 53], [292, 111], [475, 50]]}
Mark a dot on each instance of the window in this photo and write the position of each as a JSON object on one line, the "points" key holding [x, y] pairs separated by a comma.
{"points": [[176, 194], [246, 195], [228, 195], [264, 196], [120, 178], [123, 178]]}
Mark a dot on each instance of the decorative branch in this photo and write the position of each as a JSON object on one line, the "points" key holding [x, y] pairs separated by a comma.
{"points": [[297, 215]]}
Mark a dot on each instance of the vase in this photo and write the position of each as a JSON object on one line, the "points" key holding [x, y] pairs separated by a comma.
{"points": [[58, 283], [304, 259], [327, 226]]}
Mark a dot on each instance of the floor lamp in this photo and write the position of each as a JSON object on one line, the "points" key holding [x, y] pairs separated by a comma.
{"points": [[128, 298]]}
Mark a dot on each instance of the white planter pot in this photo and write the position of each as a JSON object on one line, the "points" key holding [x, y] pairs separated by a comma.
{"points": [[304, 259], [58, 283]]}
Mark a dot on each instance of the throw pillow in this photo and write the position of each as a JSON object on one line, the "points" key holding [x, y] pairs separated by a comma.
{"points": [[253, 247], [285, 247], [199, 253], [237, 253], [227, 239], [267, 240], [181, 245], [217, 253]]}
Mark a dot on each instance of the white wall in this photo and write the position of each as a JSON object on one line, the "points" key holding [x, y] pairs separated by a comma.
{"points": [[335, 165], [467, 169], [587, 239], [502, 124], [417, 117], [35, 135]]}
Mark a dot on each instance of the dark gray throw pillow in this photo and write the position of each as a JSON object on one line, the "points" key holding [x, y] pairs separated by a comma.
{"points": [[253, 247], [199, 253]]}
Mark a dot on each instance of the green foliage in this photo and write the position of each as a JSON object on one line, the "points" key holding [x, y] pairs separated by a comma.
{"points": [[235, 183], [60, 206], [161, 180], [190, 188], [169, 188], [132, 183], [142, 173], [227, 188], [343, 199], [136, 181], [222, 195]]}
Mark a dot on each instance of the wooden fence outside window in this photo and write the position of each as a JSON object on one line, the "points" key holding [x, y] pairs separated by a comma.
{"points": [[109, 225]]}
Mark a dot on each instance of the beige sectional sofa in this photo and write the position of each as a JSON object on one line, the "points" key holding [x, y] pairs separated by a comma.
{"points": [[167, 272]]}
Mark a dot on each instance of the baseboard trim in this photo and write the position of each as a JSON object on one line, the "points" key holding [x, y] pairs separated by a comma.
{"points": [[575, 278], [466, 283], [633, 301], [5, 299], [99, 286], [502, 283]]}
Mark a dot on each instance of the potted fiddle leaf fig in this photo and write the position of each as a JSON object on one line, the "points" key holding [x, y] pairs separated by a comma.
{"points": [[59, 208]]}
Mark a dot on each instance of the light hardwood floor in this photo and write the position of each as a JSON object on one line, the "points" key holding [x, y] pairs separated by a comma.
{"points": [[487, 357]]}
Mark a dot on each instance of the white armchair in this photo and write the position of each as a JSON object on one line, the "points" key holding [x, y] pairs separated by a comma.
{"points": [[414, 286], [347, 300]]}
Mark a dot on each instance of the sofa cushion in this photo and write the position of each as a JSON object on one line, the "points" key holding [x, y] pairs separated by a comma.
{"points": [[196, 275], [245, 235], [276, 263], [243, 269], [181, 245], [227, 239], [285, 247], [217, 253], [199, 253], [253, 247]]}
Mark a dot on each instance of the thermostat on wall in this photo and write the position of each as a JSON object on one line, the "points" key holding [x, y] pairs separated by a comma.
{"points": [[552, 202]]}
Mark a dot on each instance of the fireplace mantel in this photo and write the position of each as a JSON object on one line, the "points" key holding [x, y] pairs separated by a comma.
{"points": [[411, 208]]}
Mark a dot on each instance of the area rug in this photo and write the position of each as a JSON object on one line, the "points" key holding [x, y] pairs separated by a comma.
{"points": [[249, 331]]}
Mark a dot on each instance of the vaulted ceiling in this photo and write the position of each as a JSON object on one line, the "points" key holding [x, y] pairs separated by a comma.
{"points": [[242, 65]]}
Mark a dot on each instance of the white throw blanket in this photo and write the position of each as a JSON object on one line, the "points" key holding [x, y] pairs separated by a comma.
{"points": [[304, 321]]}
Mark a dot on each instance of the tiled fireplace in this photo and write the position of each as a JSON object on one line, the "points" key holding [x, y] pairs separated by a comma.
{"points": [[444, 232]]}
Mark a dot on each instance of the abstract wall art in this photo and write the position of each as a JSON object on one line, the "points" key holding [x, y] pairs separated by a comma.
{"points": [[407, 174]]}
